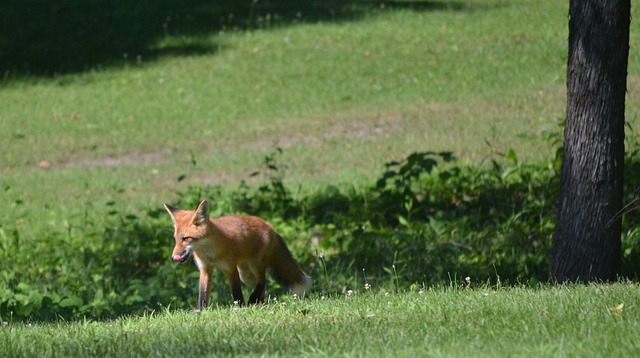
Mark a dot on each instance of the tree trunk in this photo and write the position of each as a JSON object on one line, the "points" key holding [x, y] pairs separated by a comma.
{"points": [[586, 243]]}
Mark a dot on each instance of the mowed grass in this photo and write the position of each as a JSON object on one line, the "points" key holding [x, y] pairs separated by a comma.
{"points": [[596, 320], [342, 98]]}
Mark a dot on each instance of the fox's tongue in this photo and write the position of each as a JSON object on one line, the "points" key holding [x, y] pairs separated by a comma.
{"points": [[182, 256]]}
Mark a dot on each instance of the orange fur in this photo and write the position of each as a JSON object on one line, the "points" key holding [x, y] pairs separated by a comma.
{"points": [[243, 247]]}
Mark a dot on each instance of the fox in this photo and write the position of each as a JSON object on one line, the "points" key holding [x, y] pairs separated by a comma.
{"points": [[243, 247]]}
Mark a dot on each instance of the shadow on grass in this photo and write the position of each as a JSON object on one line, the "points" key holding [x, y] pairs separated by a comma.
{"points": [[72, 36]]}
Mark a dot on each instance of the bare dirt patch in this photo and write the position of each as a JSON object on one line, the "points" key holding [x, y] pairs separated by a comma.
{"points": [[129, 159], [461, 127]]}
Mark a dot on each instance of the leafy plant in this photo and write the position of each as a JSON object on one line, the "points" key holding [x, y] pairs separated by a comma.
{"points": [[428, 219]]}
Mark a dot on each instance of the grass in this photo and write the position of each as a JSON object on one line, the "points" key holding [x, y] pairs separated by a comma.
{"points": [[361, 91], [595, 320], [187, 95], [341, 97]]}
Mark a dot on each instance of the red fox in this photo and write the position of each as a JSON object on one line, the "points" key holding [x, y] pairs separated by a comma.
{"points": [[243, 247]]}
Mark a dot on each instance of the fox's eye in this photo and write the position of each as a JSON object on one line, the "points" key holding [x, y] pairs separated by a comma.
{"points": [[186, 239]]}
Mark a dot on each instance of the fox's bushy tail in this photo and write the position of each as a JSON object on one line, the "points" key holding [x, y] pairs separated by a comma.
{"points": [[286, 270]]}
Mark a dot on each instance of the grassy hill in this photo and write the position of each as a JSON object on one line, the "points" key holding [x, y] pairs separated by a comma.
{"points": [[408, 142]]}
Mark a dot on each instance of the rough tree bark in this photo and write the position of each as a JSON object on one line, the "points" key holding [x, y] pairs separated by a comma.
{"points": [[586, 242]]}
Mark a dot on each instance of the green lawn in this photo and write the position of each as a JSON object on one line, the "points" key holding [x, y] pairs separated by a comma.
{"points": [[565, 321], [110, 110], [341, 98]]}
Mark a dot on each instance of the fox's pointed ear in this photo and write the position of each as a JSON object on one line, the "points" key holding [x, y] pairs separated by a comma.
{"points": [[172, 210], [202, 213]]}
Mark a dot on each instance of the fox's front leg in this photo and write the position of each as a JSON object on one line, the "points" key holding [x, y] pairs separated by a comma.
{"points": [[204, 292]]}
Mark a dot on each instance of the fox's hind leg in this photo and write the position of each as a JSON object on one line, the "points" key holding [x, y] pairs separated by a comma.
{"points": [[249, 278], [258, 294], [259, 285], [236, 289], [246, 276]]}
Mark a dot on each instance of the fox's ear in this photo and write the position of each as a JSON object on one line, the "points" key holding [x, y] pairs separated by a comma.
{"points": [[202, 213], [172, 210]]}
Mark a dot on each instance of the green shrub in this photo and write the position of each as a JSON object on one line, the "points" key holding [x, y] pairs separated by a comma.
{"points": [[428, 219]]}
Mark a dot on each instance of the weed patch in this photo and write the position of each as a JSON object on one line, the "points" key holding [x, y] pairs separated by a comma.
{"points": [[427, 220]]}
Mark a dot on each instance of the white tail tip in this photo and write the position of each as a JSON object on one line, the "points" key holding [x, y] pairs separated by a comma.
{"points": [[302, 287]]}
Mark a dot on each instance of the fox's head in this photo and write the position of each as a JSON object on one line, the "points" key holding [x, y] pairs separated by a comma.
{"points": [[190, 226]]}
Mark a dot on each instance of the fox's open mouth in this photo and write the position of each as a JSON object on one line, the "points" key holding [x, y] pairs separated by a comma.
{"points": [[183, 256]]}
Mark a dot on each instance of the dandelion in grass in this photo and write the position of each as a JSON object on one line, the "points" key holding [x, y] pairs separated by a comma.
{"points": [[617, 310], [350, 293], [367, 286]]}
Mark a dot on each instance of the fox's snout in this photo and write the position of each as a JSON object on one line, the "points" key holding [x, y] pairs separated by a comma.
{"points": [[182, 256]]}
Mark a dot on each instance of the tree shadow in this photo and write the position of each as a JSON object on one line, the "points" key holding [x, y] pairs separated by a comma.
{"points": [[72, 36]]}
